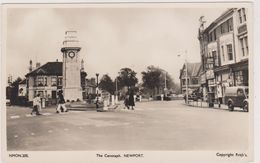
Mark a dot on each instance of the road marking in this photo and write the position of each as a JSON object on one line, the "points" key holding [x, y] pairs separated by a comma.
{"points": [[29, 115], [49, 131], [80, 127], [16, 136], [32, 134], [65, 129], [46, 114], [15, 116]]}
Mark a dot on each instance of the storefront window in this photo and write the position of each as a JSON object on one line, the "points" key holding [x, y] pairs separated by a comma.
{"points": [[239, 78]]}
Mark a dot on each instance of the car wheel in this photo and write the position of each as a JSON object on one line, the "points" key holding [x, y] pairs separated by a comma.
{"points": [[230, 106], [245, 106]]}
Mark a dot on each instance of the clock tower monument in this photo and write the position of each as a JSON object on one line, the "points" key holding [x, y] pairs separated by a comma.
{"points": [[71, 67]]}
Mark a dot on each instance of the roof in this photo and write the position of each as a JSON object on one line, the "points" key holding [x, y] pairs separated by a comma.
{"points": [[23, 81], [50, 68], [223, 15], [193, 69]]}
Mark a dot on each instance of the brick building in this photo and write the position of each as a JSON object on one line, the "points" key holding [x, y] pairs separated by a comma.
{"points": [[224, 51]]}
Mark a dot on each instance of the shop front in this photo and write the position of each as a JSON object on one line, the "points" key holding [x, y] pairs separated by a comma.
{"points": [[240, 71]]}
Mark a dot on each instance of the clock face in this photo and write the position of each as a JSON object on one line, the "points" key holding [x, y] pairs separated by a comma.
{"points": [[71, 54]]}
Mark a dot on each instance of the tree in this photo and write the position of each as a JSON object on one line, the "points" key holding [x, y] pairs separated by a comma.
{"points": [[151, 79], [107, 84], [154, 80], [14, 90], [127, 77], [83, 76]]}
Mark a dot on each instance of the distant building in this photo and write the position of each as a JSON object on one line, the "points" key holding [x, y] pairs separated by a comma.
{"points": [[193, 77], [90, 87], [224, 51], [45, 80], [22, 88]]}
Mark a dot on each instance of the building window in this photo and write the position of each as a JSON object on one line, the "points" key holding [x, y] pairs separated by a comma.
{"points": [[194, 81], [53, 81], [229, 52], [215, 58], [230, 24], [244, 46], [214, 35], [45, 80], [242, 15], [60, 81], [239, 77], [40, 81], [246, 43], [221, 29], [183, 81], [210, 37], [41, 93], [223, 54]]}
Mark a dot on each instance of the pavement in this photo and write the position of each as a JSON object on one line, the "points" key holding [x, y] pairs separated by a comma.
{"points": [[153, 125]]}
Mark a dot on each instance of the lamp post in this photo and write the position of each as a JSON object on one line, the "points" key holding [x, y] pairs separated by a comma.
{"points": [[186, 78], [97, 92], [116, 92], [116, 86], [165, 83]]}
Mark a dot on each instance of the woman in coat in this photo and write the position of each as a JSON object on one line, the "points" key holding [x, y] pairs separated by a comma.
{"points": [[131, 100]]}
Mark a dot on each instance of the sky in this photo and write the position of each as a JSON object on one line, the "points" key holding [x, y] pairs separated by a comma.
{"points": [[111, 37]]}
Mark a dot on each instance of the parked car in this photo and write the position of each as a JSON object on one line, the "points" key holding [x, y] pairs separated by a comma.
{"points": [[237, 97], [195, 95]]}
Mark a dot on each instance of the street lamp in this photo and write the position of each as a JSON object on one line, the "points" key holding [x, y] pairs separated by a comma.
{"points": [[165, 83], [97, 74], [116, 92], [186, 75]]}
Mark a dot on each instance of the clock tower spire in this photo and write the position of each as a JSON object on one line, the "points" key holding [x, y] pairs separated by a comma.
{"points": [[71, 67]]}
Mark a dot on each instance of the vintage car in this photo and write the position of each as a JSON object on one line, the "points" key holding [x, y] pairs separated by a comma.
{"points": [[237, 97]]}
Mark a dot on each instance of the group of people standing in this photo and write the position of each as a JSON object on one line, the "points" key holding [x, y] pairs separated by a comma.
{"points": [[37, 104], [129, 100]]}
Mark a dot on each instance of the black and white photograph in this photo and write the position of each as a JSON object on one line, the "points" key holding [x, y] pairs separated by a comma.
{"points": [[127, 82]]}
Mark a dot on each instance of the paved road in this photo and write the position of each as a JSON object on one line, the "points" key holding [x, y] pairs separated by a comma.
{"points": [[155, 125]]}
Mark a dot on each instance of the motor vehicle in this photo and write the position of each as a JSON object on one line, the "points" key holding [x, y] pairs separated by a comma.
{"points": [[195, 95], [8, 103], [237, 97]]}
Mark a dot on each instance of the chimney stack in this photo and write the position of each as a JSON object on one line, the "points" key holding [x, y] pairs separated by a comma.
{"points": [[30, 66], [38, 64]]}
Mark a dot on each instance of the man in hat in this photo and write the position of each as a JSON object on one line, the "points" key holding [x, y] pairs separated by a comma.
{"points": [[61, 103]]}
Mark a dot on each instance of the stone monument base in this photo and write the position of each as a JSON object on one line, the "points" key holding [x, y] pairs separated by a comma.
{"points": [[73, 94]]}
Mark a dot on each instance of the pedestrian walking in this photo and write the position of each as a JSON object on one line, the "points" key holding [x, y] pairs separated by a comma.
{"points": [[61, 103], [131, 100], [219, 95], [126, 101], [36, 105]]}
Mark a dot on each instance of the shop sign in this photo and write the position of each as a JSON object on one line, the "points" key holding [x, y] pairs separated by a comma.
{"points": [[210, 74], [211, 82], [203, 78], [210, 60]]}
